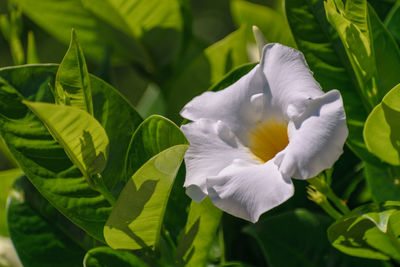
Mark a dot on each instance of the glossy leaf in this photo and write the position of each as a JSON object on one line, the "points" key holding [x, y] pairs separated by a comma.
{"points": [[207, 69], [298, 238], [105, 256], [136, 218], [40, 234], [6, 180], [272, 23], [96, 37], [83, 138], [382, 128], [72, 80], [369, 231], [327, 58], [44, 160], [200, 230]]}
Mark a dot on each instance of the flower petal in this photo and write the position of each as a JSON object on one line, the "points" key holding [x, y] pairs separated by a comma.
{"points": [[316, 138], [246, 190], [290, 81], [213, 146], [240, 105]]}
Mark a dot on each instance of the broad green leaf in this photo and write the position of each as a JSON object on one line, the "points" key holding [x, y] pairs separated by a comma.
{"points": [[105, 256], [44, 161], [272, 23], [392, 22], [207, 69], [298, 238], [153, 136], [369, 231], [83, 138], [6, 179], [351, 26], [387, 54], [136, 218], [327, 58], [200, 230], [41, 235], [96, 36], [156, 23], [383, 182], [382, 128], [72, 80]]}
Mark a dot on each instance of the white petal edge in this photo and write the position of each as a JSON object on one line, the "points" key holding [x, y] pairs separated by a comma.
{"points": [[316, 138], [213, 147], [290, 81], [246, 190]]}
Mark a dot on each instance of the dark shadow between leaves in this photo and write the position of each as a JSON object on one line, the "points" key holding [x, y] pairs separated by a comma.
{"points": [[129, 206], [185, 244]]}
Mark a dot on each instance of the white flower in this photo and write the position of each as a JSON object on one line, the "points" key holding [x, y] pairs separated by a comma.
{"points": [[248, 140]]}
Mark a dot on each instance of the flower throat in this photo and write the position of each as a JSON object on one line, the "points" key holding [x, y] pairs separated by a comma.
{"points": [[267, 139]]}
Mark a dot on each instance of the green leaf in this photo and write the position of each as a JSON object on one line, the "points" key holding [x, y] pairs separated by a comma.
{"points": [[298, 238], [72, 80], [105, 256], [382, 128], [44, 161], [156, 23], [383, 182], [154, 135], [136, 218], [327, 58], [96, 37], [392, 22], [83, 138], [387, 54], [207, 69], [200, 230], [272, 23], [6, 179], [369, 231], [31, 51], [40, 234]]}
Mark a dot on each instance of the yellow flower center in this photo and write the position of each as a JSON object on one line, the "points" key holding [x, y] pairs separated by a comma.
{"points": [[267, 139]]}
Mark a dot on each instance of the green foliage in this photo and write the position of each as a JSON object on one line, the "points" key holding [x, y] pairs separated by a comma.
{"points": [[105, 256], [303, 243], [72, 80], [40, 234], [382, 128], [392, 22], [370, 231], [6, 180], [44, 160], [201, 226], [136, 218], [271, 22]]}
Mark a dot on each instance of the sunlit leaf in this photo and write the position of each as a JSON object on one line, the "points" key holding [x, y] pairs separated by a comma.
{"points": [[200, 230], [382, 128], [44, 161], [370, 231], [72, 85], [105, 256], [136, 218], [83, 138]]}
